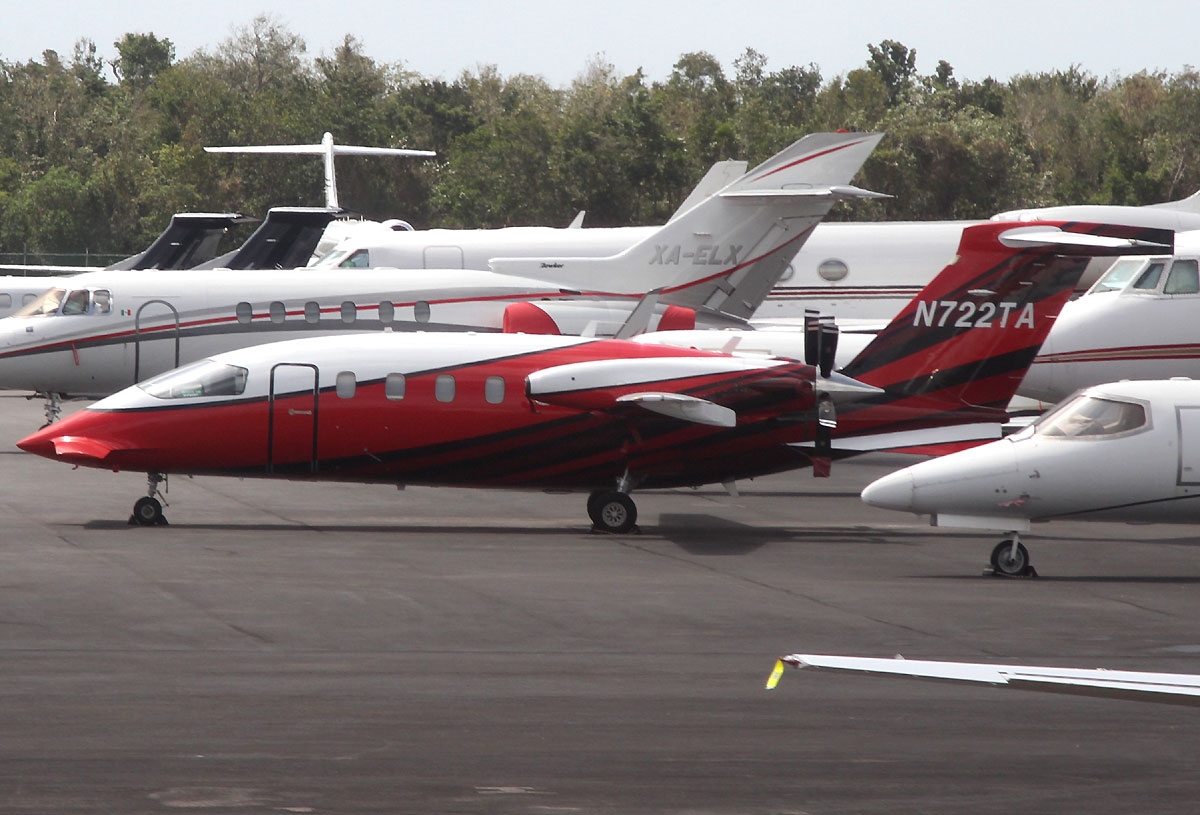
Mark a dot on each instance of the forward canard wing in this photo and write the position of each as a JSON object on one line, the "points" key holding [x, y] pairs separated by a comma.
{"points": [[1171, 688]]}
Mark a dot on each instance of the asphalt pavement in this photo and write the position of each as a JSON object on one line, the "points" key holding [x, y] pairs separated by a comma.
{"points": [[335, 648]]}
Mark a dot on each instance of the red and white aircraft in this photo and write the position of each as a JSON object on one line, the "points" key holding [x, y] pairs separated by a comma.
{"points": [[605, 416], [712, 265]]}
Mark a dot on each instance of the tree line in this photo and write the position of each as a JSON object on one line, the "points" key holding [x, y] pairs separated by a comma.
{"points": [[98, 154]]}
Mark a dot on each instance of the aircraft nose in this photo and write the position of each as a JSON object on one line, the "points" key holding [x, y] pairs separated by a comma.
{"points": [[56, 442], [894, 491]]}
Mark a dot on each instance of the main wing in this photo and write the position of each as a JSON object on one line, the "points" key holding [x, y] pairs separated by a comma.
{"points": [[1169, 688]]}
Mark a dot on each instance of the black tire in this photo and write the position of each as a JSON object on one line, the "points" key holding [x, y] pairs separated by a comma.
{"points": [[612, 512], [148, 512], [1005, 562]]}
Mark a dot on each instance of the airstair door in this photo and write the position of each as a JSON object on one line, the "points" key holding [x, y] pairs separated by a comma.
{"points": [[1189, 445], [292, 419], [156, 339]]}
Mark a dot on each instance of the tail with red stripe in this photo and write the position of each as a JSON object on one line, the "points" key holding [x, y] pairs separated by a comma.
{"points": [[956, 354]]}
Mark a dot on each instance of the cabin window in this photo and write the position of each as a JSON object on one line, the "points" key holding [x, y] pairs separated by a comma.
{"points": [[349, 312], [5, 301], [203, 378], [1184, 278], [443, 388], [101, 301], [1148, 281], [346, 384], [421, 311], [393, 386], [277, 311], [1090, 417], [312, 312], [245, 312], [387, 312], [493, 390], [833, 270], [27, 299]]}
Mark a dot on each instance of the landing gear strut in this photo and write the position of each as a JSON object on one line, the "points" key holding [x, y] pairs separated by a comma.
{"points": [[1010, 558], [148, 510], [52, 406]]}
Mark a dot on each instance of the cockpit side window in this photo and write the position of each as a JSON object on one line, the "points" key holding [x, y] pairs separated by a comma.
{"points": [[1184, 278], [203, 378], [1092, 417], [77, 302], [101, 301], [1149, 278]]}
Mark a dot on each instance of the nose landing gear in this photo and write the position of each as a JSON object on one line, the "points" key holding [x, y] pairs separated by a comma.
{"points": [[1010, 558], [148, 510]]}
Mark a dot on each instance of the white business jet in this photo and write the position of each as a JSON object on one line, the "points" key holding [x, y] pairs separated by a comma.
{"points": [[1125, 451], [710, 266], [1138, 321]]}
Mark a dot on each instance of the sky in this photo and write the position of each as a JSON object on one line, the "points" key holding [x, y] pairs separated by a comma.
{"points": [[558, 39]]}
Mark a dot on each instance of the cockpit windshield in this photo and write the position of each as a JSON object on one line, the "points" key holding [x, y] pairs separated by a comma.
{"points": [[48, 303], [62, 301], [1118, 275], [203, 378], [1090, 417], [346, 259]]}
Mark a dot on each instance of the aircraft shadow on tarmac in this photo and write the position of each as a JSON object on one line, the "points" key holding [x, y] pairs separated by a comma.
{"points": [[701, 534]]}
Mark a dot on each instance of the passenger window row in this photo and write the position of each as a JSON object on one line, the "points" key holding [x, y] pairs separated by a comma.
{"points": [[445, 387], [348, 312]]}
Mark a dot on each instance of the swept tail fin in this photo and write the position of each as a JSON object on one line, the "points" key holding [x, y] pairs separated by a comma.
{"points": [[956, 354], [725, 253]]}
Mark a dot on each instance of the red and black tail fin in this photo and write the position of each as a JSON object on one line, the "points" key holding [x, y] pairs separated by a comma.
{"points": [[964, 343]]}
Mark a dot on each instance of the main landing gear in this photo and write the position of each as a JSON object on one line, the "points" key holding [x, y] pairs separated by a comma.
{"points": [[1010, 558], [612, 511], [148, 510]]}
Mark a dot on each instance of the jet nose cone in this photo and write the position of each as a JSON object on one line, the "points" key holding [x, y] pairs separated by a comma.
{"points": [[893, 491], [56, 442]]}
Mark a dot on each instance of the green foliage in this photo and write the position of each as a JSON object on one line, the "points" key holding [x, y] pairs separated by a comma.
{"points": [[99, 160]]}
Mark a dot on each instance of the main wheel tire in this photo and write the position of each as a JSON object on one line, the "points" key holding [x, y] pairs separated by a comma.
{"points": [[612, 512], [1006, 562], [148, 512]]}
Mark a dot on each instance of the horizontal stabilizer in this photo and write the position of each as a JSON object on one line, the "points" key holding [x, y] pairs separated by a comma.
{"points": [[681, 406], [835, 193], [1042, 236], [1173, 688]]}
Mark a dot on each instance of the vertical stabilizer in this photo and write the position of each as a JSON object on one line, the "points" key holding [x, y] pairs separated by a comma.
{"points": [[726, 252]]}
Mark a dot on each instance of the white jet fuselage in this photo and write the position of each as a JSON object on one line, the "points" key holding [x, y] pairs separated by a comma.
{"points": [[1127, 451]]}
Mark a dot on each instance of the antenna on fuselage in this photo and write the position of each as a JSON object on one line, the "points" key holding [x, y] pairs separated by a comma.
{"points": [[327, 149]]}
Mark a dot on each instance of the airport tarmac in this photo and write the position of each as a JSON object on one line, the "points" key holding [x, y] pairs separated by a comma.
{"points": [[315, 648]]}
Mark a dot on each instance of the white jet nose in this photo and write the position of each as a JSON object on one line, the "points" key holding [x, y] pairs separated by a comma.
{"points": [[894, 491]]}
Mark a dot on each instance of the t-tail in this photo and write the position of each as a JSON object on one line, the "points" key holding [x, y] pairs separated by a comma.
{"points": [[951, 361], [725, 253]]}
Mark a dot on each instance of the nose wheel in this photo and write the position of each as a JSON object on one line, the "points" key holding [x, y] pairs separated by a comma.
{"points": [[148, 510], [612, 511], [1010, 558]]}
